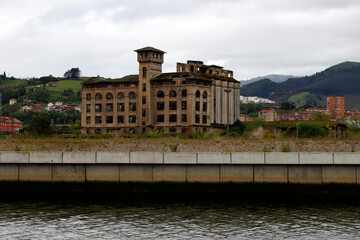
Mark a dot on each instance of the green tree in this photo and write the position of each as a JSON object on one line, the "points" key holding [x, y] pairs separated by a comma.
{"points": [[309, 129], [40, 125], [316, 116], [287, 106]]}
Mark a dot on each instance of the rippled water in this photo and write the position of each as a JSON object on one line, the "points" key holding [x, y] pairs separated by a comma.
{"points": [[181, 219]]}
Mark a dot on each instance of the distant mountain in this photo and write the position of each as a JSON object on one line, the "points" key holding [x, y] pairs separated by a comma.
{"points": [[273, 77], [340, 80]]}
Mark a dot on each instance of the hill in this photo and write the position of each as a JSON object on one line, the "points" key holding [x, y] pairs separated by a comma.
{"points": [[273, 77], [340, 80]]}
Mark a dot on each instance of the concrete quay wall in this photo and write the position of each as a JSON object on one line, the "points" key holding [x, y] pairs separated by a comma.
{"points": [[153, 167]]}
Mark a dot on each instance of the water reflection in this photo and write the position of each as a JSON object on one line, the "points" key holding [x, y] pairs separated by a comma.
{"points": [[178, 219]]}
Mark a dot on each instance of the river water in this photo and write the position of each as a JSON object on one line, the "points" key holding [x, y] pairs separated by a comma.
{"points": [[179, 219]]}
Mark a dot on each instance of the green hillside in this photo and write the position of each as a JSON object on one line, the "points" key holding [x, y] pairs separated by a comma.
{"points": [[75, 85], [340, 80], [12, 82]]}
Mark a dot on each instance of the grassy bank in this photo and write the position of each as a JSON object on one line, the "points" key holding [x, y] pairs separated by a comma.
{"points": [[169, 144]]}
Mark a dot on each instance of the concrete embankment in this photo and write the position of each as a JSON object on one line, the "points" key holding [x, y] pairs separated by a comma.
{"points": [[151, 168]]}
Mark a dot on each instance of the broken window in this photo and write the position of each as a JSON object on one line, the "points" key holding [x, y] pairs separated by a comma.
{"points": [[98, 119], [98, 107], [109, 107], [120, 119], [172, 105]]}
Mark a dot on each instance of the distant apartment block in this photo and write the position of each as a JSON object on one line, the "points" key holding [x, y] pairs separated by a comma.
{"points": [[335, 107], [268, 115]]}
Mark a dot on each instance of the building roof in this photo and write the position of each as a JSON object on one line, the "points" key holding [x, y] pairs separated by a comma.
{"points": [[151, 49], [190, 75], [126, 79], [9, 120]]}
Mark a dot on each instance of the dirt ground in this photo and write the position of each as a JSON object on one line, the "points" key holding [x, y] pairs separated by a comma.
{"points": [[168, 144]]}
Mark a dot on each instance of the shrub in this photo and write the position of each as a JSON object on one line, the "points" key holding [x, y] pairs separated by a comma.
{"points": [[309, 130], [286, 148], [40, 125], [174, 147]]}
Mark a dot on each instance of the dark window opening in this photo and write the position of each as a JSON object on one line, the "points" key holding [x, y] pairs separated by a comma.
{"points": [[109, 107], [183, 105], [144, 72], [143, 130], [183, 118], [98, 96], [132, 131], [132, 119], [109, 96], [98, 107], [88, 107], [210, 71], [88, 96], [121, 107], [160, 94], [160, 118], [144, 87], [172, 129], [88, 120], [197, 106], [160, 106], [143, 100], [143, 113], [173, 105], [172, 93], [197, 118], [98, 119], [132, 107], [204, 119], [132, 96], [121, 95], [184, 93], [109, 119], [204, 94], [172, 118], [97, 131], [191, 68], [120, 119], [204, 106], [197, 94]]}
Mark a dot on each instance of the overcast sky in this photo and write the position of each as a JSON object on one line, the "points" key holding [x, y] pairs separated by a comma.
{"points": [[252, 38]]}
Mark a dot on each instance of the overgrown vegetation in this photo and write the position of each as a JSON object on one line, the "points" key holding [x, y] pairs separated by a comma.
{"points": [[310, 130]]}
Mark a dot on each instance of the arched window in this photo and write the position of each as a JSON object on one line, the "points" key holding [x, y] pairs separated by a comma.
{"points": [[98, 96], [121, 96], [172, 93], [132, 95], [197, 93], [160, 94], [204, 94], [144, 72], [109, 96]]}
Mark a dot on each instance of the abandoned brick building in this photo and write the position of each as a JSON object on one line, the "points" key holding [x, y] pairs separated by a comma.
{"points": [[195, 96]]}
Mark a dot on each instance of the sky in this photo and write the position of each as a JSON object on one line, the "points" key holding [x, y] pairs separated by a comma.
{"points": [[251, 37]]}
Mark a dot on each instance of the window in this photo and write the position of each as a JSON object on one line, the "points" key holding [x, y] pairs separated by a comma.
{"points": [[205, 94], [88, 96], [98, 119], [143, 113], [183, 118], [172, 105], [98, 96], [109, 107], [160, 118], [144, 72], [132, 119], [160, 94], [132, 131], [88, 107], [197, 106], [160, 106], [98, 131], [109, 119], [204, 106], [88, 121], [197, 118], [143, 129], [132, 96], [98, 107], [210, 71], [183, 105], [172, 118], [184, 93], [197, 94], [183, 130], [204, 119], [144, 87], [143, 100], [121, 96], [172, 129], [109, 96], [172, 94], [192, 69], [132, 107], [120, 119], [121, 107]]}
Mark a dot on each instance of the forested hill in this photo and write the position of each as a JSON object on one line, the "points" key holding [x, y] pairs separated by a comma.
{"points": [[341, 80]]}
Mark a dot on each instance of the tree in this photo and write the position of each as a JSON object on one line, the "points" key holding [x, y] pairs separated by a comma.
{"points": [[317, 116], [309, 129], [73, 73], [40, 125], [287, 106], [4, 76]]}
